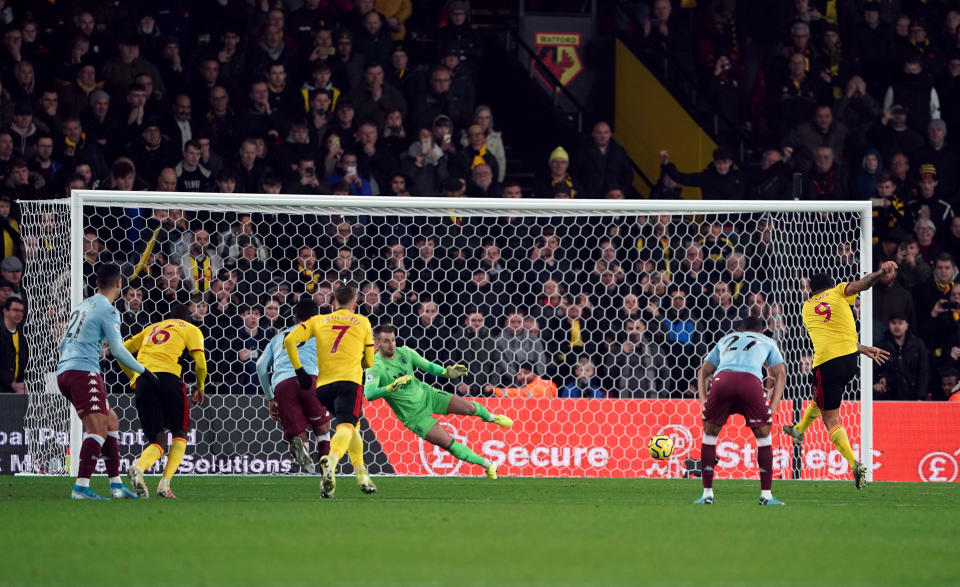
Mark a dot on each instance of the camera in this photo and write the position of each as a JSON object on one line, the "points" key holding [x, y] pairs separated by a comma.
{"points": [[308, 172], [951, 305]]}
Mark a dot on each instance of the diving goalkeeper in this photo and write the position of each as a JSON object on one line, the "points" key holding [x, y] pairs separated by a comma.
{"points": [[415, 403]]}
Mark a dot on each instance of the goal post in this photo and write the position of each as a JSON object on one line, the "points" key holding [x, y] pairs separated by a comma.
{"points": [[648, 392]]}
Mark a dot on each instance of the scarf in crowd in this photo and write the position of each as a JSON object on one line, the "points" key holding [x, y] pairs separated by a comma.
{"points": [[565, 180], [202, 273], [943, 287], [76, 146], [313, 277], [576, 336], [478, 159]]}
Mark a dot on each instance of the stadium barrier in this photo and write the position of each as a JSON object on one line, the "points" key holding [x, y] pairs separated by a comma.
{"points": [[551, 438]]}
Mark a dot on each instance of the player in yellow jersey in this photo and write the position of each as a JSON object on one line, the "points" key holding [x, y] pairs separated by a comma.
{"points": [[828, 317], [163, 406], [344, 350]]}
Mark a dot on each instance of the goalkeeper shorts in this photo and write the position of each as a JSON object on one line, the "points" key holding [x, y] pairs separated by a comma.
{"points": [[435, 402]]}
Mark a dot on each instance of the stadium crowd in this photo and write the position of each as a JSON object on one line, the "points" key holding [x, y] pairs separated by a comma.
{"points": [[367, 97]]}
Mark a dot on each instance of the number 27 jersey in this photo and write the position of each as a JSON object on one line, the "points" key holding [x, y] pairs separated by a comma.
{"points": [[830, 324]]}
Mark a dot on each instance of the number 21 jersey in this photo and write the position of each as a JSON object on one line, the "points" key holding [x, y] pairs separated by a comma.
{"points": [[829, 321]]}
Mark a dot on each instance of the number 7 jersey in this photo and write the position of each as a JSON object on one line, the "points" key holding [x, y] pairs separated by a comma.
{"points": [[344, 345], [830, 324]]}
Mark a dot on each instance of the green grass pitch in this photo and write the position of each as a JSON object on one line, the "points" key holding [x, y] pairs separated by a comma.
{"points": [[276, 530]]}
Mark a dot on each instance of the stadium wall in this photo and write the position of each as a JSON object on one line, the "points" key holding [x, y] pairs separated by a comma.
{"points": [[550, 438]]}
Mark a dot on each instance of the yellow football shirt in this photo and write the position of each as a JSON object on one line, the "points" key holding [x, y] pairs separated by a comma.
{"points": [[344, 345], [159, 346], [829, 321]]}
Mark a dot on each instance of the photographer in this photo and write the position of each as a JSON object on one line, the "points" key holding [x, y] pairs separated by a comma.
{"points": [[347, 171], [306, 181], [931, 297]]}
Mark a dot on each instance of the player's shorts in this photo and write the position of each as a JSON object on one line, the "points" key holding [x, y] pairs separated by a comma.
{"points": [[830, 380], [299, 408], [162, 405], [421, 421], [343, 399], [735, 392], [85, 390]]}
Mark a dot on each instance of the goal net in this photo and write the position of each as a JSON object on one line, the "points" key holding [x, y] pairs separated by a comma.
{"points": [[613, 303]]}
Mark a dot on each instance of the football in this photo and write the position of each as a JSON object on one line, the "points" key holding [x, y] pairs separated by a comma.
{"points": [[661, 447]]}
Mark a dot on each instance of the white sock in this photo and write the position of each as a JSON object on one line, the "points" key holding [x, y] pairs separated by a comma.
{"points": [[708, 492], [323, 437], [765, 494], [83, 482], [486, 463], [115, 434], [100, 440], [116, 480]]}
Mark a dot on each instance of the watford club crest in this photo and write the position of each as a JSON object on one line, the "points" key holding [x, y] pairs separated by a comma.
{"points": [[559, 53]]}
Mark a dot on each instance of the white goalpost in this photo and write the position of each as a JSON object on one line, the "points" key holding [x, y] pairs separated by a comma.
{"points": [[638, 290]]}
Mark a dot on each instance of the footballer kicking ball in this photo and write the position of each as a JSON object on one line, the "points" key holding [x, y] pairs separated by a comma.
{"points": [[660, 447]]}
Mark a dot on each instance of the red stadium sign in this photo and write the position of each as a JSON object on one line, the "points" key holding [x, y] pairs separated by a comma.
{"points": [[607, 438]]}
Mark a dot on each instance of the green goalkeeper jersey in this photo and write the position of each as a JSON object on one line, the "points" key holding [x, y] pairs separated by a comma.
{"points": [[410, 399]]}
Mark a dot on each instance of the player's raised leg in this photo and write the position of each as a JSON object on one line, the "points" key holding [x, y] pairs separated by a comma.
{"points": [[464, 407], [437, 435], [810, 416]]}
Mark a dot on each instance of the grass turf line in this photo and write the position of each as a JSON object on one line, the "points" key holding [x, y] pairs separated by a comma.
{"points": [[256, 530]]}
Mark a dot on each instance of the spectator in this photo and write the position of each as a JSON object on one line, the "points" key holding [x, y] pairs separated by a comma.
{"points": [[23, 130], [439, 100], [459, 38], [928, 205], [827, 179], [475, 154], [559, 179], [891, 298], [249, 343], [871, 170], [949, 386], [375, 160], [912, 269], [483, 117], [891, 135], [796, 92], [285, 99], [180, 127], [133, 318], [931, 296], [222, 122], [426, 165], [122, 70], [43, 163], [24, 183], [348, 171], [915, 92], [515, 346], [602, 164], [201, 264], [719, 181], [14, 348], [371, 304], [306, 181], [169, 290], [192, 176], [584, 384], [261, 119], [271, 49], [479, 344], [529, 384], [482, 184], [430, 331], [76, 150], [939, 156], [823, 130], [906, 374], [373, 40], [229, 248], [346, 65]]}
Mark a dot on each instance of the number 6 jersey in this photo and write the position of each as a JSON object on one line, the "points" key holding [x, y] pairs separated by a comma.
{"points": [[830, 324], [160, 345]]}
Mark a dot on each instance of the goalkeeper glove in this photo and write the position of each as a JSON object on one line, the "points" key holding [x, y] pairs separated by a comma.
{"points": [[303, 378], [398, 383], [454, 371], [150, 376]]}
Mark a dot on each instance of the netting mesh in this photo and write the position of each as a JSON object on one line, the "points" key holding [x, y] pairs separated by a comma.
{"points": [[45, 228], [618, 308]]}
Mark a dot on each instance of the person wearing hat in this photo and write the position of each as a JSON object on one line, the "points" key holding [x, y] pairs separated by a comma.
{"points": [[927, 202], [11, 268], [913, 89], [122, 70], [14, 350], [719, 181], [906, 375], [559, 178], [24, 130], [346, 64], [459, 36], [944, 158], [152, 151]]}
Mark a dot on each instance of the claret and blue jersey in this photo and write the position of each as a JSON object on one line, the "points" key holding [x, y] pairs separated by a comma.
{"points": [[745, 352], [93, 321]]}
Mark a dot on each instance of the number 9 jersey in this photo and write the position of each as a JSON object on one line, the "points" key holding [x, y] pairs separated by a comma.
{"points": [[344, 345], [830, 324]]}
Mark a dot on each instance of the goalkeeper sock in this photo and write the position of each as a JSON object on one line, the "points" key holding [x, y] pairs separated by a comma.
{"points": [[177, 450], [355, 449], [482, 412], [838, 436], [463, 453], [149, 456], [708, 458], [89, 454], [810, 416], [111, 456], [340, 442], [765, 462]]}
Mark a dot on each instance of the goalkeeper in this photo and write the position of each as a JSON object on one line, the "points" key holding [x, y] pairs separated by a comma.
{"points": [[415, 403]]}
